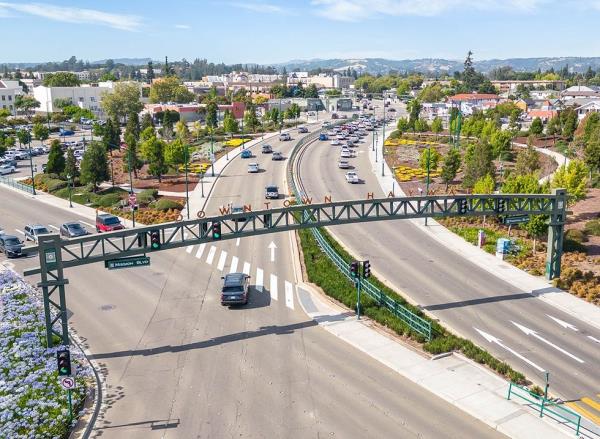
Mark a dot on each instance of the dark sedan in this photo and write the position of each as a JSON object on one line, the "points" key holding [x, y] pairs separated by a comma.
{"points": [[11, 246]]}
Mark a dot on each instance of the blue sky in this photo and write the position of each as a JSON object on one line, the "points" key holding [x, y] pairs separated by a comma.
{"points": [[271, 31]]}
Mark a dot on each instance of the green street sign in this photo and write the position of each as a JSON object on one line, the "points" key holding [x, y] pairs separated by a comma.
{"points": [[137, 261], [517, 219]]}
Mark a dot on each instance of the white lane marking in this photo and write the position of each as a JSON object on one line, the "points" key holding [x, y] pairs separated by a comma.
{"points": [[563, 323], [189, 249], [246, 269], [272, 247], [594, 339], [237, 242], [259, 279], [289, 295], [20, 231], [54, 227], [222, 260], [234, 264], [200, 250], [273, 286], [211, 255], [490, 338], [528, 331], [87, 224]]}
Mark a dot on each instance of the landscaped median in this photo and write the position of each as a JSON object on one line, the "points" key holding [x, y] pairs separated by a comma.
{"points": [[32, 402], [324, 273]]}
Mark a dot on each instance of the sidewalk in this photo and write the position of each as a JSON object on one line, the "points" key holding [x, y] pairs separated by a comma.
{"points": [[457, 380]]}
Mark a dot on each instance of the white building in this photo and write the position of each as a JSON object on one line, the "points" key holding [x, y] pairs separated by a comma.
{"points": [[9, 90], [82, 76]]}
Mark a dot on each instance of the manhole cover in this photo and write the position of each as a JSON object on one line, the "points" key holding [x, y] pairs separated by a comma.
{"points": [[107, 307]]}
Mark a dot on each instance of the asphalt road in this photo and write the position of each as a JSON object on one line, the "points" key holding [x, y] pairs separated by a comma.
{"points": [[460, 294], [178, 364]]}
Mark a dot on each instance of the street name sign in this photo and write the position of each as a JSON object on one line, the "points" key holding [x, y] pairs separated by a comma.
{"points": [[516, 219], [138, 261]]}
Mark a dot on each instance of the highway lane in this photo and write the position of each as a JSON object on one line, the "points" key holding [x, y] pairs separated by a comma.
{"points": [[456, 291], [178, 364]]}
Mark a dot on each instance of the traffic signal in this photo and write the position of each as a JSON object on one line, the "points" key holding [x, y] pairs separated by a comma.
{"points": [[366, 269], [216, 230], [354, 269], [63, 360], [155, 240], [462, 205], [501, 207]]}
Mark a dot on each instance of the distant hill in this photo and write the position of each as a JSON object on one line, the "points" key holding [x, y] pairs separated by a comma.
{"points": [[439, 65], [126, 61]]}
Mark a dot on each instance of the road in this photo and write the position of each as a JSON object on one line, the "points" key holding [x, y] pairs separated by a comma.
{"points": [[459, 293], [178, 364]]}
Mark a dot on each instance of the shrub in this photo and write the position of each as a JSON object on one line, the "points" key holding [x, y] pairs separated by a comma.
{"points": [[147, 196], [54, 185], [107, 200], [166, 204], [593, 227], [575, 235]]}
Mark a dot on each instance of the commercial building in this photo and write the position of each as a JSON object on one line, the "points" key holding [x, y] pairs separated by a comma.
{"points": [[305, 104], [9, 90], [82, 76], [511, 86], [321, 81]]}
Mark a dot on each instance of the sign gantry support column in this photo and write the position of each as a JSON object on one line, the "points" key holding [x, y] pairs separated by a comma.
{"points": [[555, 233]]}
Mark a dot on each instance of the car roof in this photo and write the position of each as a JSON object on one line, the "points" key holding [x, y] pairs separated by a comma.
{"points": [[37, 226], [234, 279], [71, 223], [105, 215], [5, 236]]}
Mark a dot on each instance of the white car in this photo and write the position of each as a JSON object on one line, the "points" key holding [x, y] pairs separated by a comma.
{"points": [[352, 177], [253, 168], [354, 138], [343, 164], [345, 153], [7, 169], [335, 142]]}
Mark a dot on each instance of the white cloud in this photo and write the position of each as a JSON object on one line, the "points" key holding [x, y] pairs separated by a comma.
{"points": [[260, 7], [356, 10], [183, 26], [74, 15]]}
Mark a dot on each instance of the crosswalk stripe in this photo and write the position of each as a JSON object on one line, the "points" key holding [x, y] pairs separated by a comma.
{"points": [[200, 250], [259, 279], [273, 286], [246, 269], [222, 260], [583, 412], [87, 224], [289, 295], [54, 227], [591, 403], [189, 248], [234, 264], [211, 255], [20, 231]]}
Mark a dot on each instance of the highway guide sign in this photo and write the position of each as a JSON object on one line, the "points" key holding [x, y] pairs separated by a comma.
{"points": [[67, 383], [137, 261]]}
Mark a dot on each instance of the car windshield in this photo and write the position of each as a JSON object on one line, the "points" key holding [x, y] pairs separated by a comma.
{"points": [[12, 241], [233, 290], [75, 227], [41, 231], [271, 188], [111, 220]]}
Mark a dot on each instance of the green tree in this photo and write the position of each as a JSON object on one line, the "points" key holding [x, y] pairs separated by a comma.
{"points": [[26, 103], [150, 72], [41, 132], [122, 100], [167, 126], [437, 126], [429, 156], [23, 137], [553, 126], [111, 137], [536, 227], [528, 160], [478, 163], [573, 178], [230, 125], [421, 126], [311, 91], [175, 152], [61, 79], [181, 131], [211, 115], [591, 152], [71, 165], [170, 89], [569, 122], [94, 166], [485, 185], [153, 151], [403, 125], [108, 76], [450, 166], [146, 122], [56, 159], [131, 154], [537, 127], [133, 125], [432, 93], [250, 119], [414, 110], [501, 144]]}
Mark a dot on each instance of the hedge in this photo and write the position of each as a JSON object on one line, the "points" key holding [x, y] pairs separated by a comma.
{"points": [[165, 204]]}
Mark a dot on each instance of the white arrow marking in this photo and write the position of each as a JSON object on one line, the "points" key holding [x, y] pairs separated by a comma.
{"points": [[490, 338], [528, 331], [563, 323], [272, 247], [593, 339]]}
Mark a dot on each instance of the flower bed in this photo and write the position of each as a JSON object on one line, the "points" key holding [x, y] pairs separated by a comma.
{"points": [[397, 142], [407, 173], [234, 143], [32, 403]]}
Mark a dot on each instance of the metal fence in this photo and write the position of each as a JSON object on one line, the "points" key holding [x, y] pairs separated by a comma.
{"points": [[415, 322], [9, 181], [545, 406]]}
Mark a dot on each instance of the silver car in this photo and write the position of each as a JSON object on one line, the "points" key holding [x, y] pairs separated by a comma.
{"points": [[33, 232]]}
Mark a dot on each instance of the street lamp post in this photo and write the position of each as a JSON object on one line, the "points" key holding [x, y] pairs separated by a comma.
{"points": [[70, 182], [383, 142], [187, 193], [130, 184], [201, 175], [212, 153], [428, 167], [31, 164]]}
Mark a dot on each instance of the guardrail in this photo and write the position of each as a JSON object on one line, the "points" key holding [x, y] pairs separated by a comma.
{"points": [[415, 322], [545, 406], [9, 181]]}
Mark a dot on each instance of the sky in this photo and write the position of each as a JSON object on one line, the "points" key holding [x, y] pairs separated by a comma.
{"points": [[275, 31]]}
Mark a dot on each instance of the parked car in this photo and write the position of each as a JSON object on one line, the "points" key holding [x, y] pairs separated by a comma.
{"points": [[64, 132], [246, 154], [352, 177], [7, 169], [11, 246], [21, 155], [106, 222], [343, 164], [266, 149], [302, 129], [253, 168], [272, 192], [277, 156], [73, 229], [235, 289], [284, 137], [34, 231]]}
